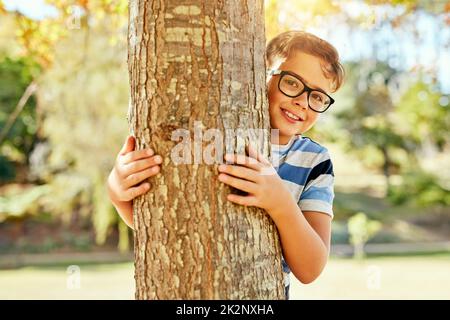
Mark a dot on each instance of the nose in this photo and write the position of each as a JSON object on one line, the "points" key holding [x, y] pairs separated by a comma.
{"points": [[301, 101]]}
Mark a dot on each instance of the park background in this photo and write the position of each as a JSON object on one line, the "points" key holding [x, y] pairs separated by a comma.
{"points": [[63, 102]]}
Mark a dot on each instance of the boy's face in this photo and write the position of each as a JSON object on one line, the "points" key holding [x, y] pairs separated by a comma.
{"points": [[309, 68]]}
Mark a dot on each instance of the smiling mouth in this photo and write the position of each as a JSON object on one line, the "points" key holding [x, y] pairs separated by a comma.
{"points": [[290, 116]]}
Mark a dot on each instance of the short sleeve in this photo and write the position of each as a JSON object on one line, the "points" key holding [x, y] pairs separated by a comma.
{"points": [[318, 193]]}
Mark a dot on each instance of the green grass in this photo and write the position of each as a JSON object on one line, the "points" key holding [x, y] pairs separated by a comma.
{"points": [[418, 277]]}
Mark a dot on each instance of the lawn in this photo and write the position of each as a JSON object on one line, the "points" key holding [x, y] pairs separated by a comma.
{"points": [[419, 277]]}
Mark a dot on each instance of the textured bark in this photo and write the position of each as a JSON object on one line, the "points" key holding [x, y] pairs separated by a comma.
{"points": [[198, 61]]}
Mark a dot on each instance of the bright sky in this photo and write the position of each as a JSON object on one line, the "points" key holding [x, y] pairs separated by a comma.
{"points": [[36, 9]]}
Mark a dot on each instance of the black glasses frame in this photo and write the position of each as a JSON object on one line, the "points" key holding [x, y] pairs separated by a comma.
{"points": [[305, 88]]}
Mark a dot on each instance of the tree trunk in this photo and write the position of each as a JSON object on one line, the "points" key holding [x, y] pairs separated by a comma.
{"points": [[198, 65]]}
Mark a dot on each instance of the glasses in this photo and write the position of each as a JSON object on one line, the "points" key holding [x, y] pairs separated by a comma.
{"points": [[293, 86]]}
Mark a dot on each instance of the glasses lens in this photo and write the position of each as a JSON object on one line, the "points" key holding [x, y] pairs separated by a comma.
{"points": [[319, 101], [290, 85]]}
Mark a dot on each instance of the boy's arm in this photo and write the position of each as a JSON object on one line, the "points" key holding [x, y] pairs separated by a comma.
{"points": [[305, 238], [125, 210], [321, 223]]}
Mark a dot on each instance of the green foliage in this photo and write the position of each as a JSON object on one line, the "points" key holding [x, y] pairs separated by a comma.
{"points": [[389, 130], [7, 170], [38, 38], [421, 189], [15, 76], [369, 120], [361, 229], [424, 115], [84, 93], [70, 192], [24, 202]]}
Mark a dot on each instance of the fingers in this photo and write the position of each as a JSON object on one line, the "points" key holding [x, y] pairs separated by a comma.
{"points": [[138, 177], [136, 155], [240, 172], [140, 165], [243, 160], [242, 200], [137, 191], [132, 168], [237, 183], [118, 190], [128, 145]]}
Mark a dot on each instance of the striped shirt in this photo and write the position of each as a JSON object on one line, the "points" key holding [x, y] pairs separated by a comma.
{"points": [[306, 169]]}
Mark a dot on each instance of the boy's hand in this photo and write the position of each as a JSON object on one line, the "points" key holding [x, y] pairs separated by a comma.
{"points": [[256, 176], [125, 182]]}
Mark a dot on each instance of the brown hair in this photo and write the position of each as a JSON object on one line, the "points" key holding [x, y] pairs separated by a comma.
{"points": [[282, 46]]}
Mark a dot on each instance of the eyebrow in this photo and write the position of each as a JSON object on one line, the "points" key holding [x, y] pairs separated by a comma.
{"points": [[307, 83]]}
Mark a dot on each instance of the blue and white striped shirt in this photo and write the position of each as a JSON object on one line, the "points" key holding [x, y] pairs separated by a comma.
{"points": [[306, 169]]}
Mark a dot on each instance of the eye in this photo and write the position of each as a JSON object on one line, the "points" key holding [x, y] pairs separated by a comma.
{"points": [[317, 97], [291, 82]]}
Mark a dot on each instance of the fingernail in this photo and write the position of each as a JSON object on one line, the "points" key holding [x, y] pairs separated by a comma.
{"points": [[158, 159], [150, 152], [222, 167], [228, 157]]}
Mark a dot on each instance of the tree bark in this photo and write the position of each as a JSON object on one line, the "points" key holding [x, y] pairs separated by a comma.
{"points": [[195, 61]]}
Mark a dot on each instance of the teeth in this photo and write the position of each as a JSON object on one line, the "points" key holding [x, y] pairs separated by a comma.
{"points": [[292, 116]]}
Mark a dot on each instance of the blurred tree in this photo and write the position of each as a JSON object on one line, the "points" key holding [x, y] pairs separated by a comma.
{"points": [[361, 229], [421, 189], [425, 115], [21, 204], [85, 120], [17, 114], [395, 128], [74, 80], [39, 37], [369, 123]]}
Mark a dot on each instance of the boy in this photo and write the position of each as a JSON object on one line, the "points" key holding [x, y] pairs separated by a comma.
{"points": [[303, 70]]}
